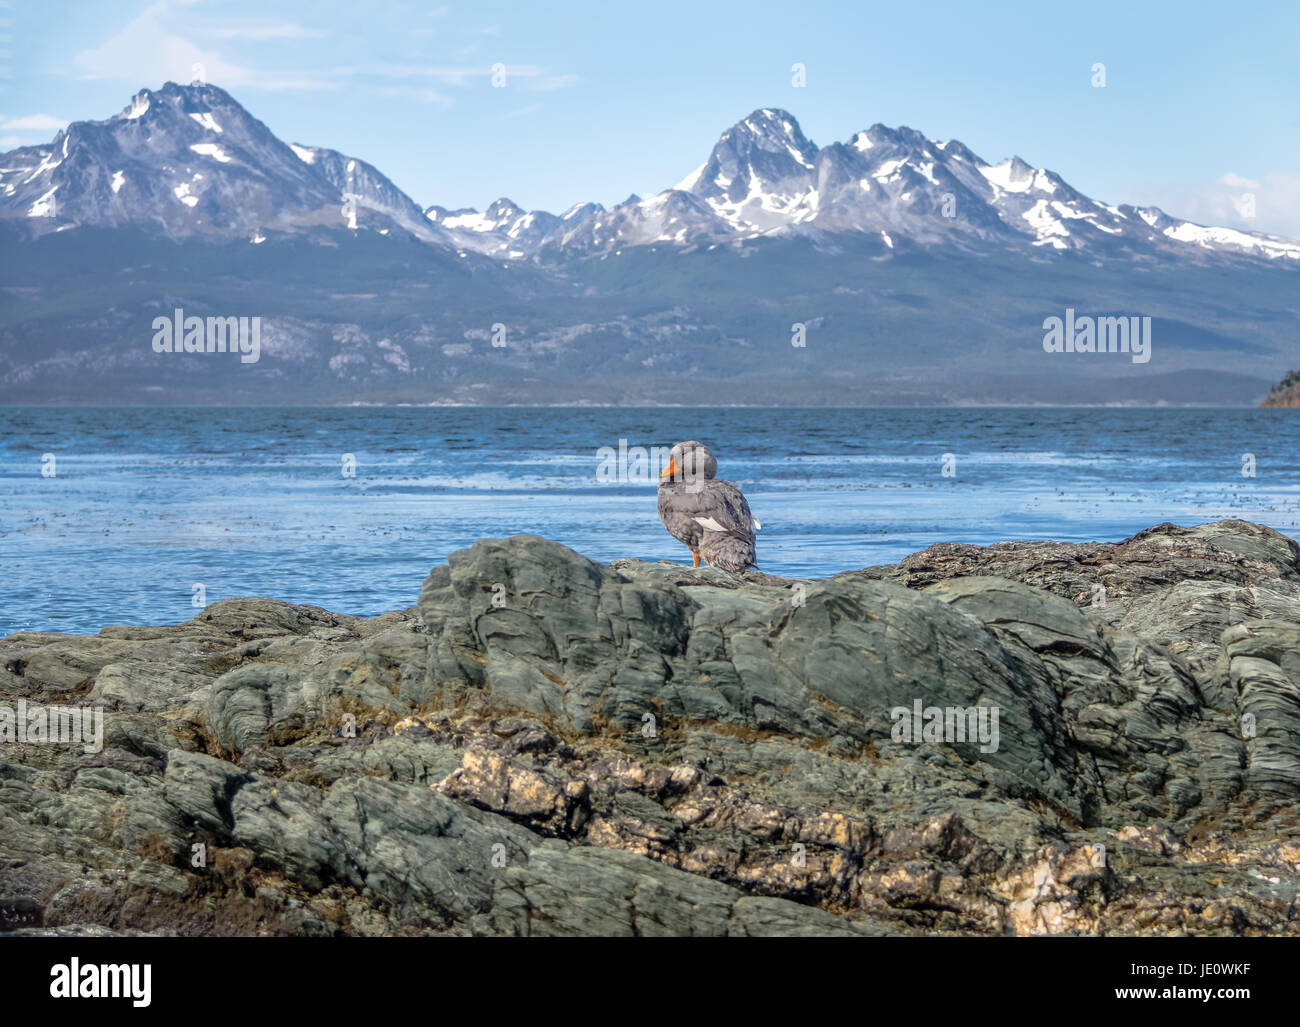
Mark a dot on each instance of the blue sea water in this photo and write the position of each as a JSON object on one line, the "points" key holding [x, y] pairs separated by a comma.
{"points": [[146, 502]]}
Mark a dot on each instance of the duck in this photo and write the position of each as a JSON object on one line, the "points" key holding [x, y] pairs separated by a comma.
{"points": [[705, 513]]}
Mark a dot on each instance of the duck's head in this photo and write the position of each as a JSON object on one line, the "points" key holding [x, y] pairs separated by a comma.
{"points": [[689, 461]]}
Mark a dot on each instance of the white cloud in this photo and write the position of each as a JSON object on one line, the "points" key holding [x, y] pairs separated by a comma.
{"points": [[416, 93], [167, 41], [147, 50], [531, 76], [151, 47], [520, 112], [33, 123], [545, 83], [449, 74], [283, 30], [1229, 200]]}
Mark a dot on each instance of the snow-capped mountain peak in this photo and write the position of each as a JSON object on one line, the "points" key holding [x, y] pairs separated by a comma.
{"points": [[191, 162], [894, 186], [765, 178]]}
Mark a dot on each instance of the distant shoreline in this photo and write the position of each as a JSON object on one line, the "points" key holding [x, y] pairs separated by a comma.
{"points": [[646, 406]]}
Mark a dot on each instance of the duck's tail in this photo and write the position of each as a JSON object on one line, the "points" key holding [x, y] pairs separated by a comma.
{"points": [[728, 551]]}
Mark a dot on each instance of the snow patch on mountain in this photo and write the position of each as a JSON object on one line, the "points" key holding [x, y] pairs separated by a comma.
{"points": [[1199, 235], [688, 183], [210, 150], [139, 107], [206, 119], [1011, 176], [44, 205]]}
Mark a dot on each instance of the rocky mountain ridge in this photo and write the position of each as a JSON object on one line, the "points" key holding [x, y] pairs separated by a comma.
{"points": [[191, 162]]}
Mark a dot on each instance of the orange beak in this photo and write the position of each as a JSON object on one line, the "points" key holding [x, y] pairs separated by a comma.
{"points": [[670, 470]]}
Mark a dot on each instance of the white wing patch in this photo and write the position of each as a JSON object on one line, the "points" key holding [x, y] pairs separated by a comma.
{"points": [[709, 524], [758, 525]]}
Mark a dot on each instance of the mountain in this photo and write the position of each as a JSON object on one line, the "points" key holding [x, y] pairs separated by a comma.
{"points": [[189, 162], [886, 269], [765, 178], [503, 230]]}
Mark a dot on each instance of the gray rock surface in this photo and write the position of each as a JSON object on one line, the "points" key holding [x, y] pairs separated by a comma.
{"points": [[546, 745]]}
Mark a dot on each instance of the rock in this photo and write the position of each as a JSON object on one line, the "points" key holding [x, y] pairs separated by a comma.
{"points": [[545, 801], [1285, 393], [548, 745]]}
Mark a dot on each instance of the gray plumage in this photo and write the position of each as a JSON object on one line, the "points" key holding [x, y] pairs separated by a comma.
{"points": [[706, 514]]}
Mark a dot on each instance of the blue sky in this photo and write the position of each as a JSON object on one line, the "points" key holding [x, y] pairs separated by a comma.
{"points": [[1201, 103]]}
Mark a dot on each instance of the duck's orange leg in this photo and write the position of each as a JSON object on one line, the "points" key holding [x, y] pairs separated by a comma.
{"points": [[696, 557]]}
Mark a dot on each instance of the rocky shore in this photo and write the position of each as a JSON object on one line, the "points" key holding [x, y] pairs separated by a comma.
{"points": [[547, 745], [1285, 393]]}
